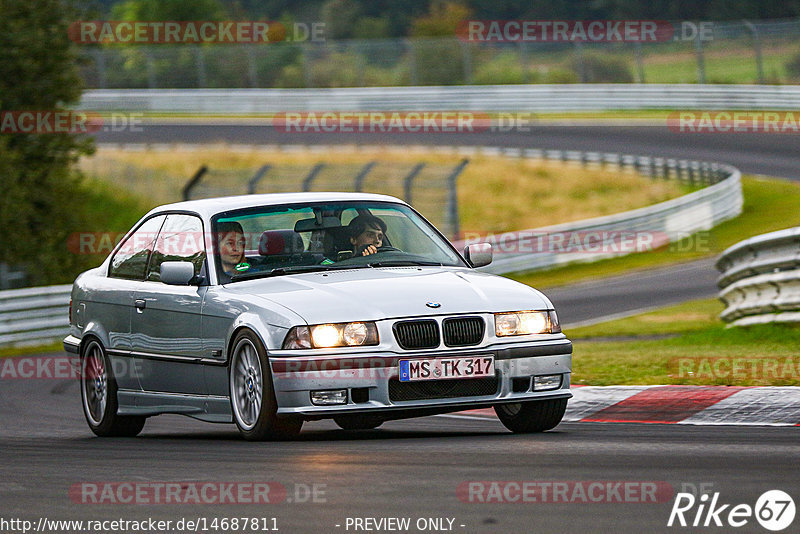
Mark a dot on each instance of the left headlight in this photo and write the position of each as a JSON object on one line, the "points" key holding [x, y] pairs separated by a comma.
{"points": [[526, 322], [323, 336]]}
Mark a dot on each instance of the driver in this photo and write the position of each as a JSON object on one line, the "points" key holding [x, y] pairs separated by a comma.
{"points": [[366, 233]]}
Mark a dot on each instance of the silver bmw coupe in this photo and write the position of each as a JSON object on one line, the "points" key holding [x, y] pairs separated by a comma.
{"points": [[271, 310]]}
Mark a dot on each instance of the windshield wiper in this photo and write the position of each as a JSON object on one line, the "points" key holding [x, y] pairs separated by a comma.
{"points": [[281, 271], [402, 263]]}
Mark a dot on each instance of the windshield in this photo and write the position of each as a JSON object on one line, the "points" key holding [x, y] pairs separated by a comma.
{"points": [[279, 240]]}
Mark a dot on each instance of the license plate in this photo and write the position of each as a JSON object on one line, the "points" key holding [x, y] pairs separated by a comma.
{"points": [[446, 368]]}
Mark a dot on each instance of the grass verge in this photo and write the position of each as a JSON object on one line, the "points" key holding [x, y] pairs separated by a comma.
{"points": [[769, 205], [521, 190], [687, 345], [10, 352]]}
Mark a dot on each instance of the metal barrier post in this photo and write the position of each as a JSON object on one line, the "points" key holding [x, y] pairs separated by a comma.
{"points": [[307, 181], [408, 181], [637, 51], [358, 183], [452, 202], [701, 64], [253, 183], [202, 80], [756, 49], [193, 181]]}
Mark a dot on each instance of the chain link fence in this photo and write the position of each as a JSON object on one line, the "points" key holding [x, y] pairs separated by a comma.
{"points": [[430, 186], [765, 52]]}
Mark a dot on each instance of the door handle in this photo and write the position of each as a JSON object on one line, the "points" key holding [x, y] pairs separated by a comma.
{"points": [[140, 304]]}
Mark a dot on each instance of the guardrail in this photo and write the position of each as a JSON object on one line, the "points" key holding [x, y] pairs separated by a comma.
{"points": [[35, 315], [760, 281], [661, 223], [39, 315], [486, 98]]}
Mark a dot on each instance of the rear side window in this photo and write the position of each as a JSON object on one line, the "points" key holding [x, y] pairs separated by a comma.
{"points": [[130, 260], [180, 239]]}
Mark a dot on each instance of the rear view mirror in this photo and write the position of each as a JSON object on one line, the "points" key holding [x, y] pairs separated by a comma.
{"points": [[321, 223], [478, 254], [177, 273]]}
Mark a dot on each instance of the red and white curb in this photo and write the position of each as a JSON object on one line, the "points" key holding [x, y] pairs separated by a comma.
{"points": [[683, 405]]}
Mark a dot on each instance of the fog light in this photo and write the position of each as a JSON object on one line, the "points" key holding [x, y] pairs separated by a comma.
{"points": [[543, 383], [328, 397]]}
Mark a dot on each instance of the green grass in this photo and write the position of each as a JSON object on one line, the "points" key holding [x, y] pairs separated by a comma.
{"points": [[9, 352], [727, 68], [726, 61], [682, 318], [769, 205], [701, 351], [519, 189], [103, 208]]}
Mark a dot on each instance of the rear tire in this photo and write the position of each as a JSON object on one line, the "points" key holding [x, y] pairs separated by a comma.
{"points": [[357, 422], [531, 416], [253, 400], [99, 395]]}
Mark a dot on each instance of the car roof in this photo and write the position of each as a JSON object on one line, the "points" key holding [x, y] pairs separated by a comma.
{"points": [[207, 207]]}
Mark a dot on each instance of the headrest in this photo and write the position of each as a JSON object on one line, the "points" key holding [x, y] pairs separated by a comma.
{"points": [[280, 242]]}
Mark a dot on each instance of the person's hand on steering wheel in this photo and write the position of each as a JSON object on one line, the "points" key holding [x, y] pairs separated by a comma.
{"points": [[368, 249]]}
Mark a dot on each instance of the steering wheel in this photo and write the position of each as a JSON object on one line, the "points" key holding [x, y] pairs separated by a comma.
{"points": [[360, 251]]}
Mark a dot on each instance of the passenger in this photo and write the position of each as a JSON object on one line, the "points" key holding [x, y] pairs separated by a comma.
{"points": [[231, 246]]}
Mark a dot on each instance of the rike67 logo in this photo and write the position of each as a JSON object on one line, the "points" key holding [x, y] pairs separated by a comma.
{"points": [[774, 510]]}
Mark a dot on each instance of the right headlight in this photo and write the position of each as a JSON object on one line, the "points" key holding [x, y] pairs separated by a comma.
{"points": [[356, 334], [526, 322]]}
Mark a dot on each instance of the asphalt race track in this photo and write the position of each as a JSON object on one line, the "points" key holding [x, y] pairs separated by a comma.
{"points": [[414, 469], [767, 154], [597, 300], [405, 469]]}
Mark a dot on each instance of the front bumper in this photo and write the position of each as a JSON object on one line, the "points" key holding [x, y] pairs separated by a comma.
{"points": [[371, 381]]}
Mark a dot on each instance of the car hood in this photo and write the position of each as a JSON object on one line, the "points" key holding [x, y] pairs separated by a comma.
{"points": [[392, 292]]}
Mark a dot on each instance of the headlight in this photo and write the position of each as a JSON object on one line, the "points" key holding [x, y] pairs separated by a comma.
{"points": [[526, 322], [324, 336]]}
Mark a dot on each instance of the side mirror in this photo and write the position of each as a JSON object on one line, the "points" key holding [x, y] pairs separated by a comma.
{"points": [[177, 273], [478, 254]]}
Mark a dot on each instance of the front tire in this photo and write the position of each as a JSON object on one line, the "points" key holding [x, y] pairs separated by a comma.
{"points": [[531, 416], [252, 394], [99, 395]]}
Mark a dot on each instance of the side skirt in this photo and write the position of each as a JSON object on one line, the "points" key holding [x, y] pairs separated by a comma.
{"points": [[211, 408]]}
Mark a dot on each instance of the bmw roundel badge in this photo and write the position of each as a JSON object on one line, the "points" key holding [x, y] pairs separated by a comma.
{"points": [[433, 304]]}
